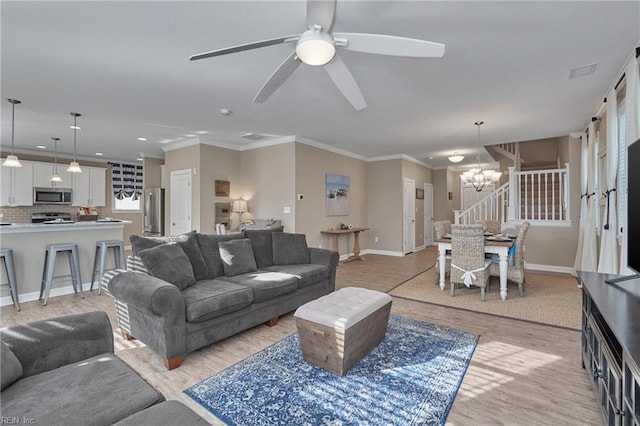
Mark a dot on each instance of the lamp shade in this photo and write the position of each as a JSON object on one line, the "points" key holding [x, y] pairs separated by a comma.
{"points": [[315, 48], [12, 161], [239, 206]]}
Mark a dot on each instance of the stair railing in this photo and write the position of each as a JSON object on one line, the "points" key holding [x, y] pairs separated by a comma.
{"points": [[492, 207], [540, 195]]}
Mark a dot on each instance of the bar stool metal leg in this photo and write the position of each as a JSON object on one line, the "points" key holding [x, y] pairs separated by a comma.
{"points": [[7, 255], [75, 270]]}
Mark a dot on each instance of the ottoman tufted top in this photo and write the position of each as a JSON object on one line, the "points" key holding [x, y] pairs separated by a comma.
{"points": [[343, 308]]}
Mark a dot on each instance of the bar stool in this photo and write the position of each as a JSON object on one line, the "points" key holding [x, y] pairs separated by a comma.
{"points": [[71, 250], [7, 255], [100, 259]]}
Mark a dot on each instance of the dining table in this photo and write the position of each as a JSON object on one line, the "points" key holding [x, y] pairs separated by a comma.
{"points": [[492, 245]]}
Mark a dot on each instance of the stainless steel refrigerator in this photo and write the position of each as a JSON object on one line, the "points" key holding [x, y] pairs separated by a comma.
{"points": [[154, 212]]}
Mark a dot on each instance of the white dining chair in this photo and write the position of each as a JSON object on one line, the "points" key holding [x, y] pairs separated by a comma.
{"points": [[468, 264]]}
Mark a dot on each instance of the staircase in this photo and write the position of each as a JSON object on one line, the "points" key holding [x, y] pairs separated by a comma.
{"points": [[536, 193]]}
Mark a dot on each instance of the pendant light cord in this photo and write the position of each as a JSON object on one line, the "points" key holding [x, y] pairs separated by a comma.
{"points": [[75, 129]]}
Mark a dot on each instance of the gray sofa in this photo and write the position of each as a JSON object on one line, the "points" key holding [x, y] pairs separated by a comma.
{"points": [[63, 371], [183, 293]]}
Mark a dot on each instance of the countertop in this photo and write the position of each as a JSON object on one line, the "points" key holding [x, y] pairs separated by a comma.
{"points": [[16, 228]]}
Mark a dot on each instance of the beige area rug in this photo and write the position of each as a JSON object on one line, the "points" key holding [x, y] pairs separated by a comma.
{"points": [[549, 298]]}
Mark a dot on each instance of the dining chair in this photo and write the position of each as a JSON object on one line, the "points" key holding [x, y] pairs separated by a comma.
{"points": [[493, 226], [515, 272], [442, 228], [468, 264]]}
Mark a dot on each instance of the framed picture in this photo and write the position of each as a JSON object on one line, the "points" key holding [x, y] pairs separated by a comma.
{"points": [[420, 194], [337, 195], [222, 188]]}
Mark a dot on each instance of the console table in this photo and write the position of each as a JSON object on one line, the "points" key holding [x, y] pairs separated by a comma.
{"points": [[356, 240], [611, 345]]}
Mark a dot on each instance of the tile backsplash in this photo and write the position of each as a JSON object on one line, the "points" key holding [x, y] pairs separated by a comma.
{"points": [[23, 214]]}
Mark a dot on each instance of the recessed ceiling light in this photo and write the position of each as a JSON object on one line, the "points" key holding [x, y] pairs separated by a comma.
{"points": [[190, 135], [142, 139], [225, 112], [139, 159], [41, 147], [75, 127], [166, 140], [201, 132], [99, 154]]}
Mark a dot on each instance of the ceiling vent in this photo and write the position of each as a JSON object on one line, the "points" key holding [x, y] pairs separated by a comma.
{"points": [[583, 70], [259, 136]]}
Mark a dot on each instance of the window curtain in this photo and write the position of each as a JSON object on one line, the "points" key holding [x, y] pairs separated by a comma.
{"points": [[632, 113], [589, 261], [584, 173], [608, 262], [126, 180]]}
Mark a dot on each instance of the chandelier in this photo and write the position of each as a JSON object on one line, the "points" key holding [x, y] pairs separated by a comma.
{"points": [[477, 177]]}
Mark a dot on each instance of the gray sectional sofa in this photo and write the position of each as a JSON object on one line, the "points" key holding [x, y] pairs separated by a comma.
{"points": [[63, 371], [185, 292]]}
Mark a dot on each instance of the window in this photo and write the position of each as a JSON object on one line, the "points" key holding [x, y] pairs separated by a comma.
{"points": [[127, 203]]}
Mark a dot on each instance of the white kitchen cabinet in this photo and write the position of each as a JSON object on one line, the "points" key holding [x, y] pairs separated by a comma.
{"points": [[42, 173], [16, 188], [89, 187]]}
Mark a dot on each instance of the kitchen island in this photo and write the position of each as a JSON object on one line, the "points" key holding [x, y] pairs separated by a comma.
{"points": [[29, 240]]}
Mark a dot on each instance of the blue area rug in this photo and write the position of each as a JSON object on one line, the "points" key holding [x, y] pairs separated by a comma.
{"points": [[412, 377]]}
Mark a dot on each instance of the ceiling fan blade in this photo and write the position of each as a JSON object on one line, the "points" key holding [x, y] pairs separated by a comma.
{"points": [[277, 78], [321, 12], [243, 47], [345, 82], [381, 44]]}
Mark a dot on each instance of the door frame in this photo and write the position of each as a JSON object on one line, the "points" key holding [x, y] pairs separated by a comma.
{"points": [[428, 215], [173, 200], [412, 198]]}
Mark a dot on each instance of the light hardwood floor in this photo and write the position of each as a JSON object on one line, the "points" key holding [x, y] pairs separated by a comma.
{"points": [[520, 374]]}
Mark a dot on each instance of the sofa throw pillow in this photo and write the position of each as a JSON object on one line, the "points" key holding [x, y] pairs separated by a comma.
{"points": [[169, 263], [189, 243], [262, 244], [237, 257], [209, 247], [10, 366], [290, 249]]}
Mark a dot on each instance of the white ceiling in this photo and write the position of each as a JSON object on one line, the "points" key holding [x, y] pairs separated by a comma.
{"points": [[125, 67]]}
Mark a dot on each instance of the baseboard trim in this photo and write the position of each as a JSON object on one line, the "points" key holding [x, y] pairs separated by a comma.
{"points": [[383, 252], [30, 297], [550, 268]]}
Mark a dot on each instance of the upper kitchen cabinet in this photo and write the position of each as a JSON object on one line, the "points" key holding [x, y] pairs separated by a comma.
{"points": [[17, 185], [89, 187], [42, 173]]}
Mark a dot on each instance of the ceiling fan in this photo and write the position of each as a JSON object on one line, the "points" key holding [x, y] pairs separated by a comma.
{"points": [[317, 46]]}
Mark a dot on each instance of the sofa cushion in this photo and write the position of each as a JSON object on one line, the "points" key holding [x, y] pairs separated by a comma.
{"points": [[165, 413], [10, 366], [169, 263], [213, 298], [290, 249], [210, 252], [99, 391], [188, 242], [262, 244], [237, 257], [266, 285], [307, 274]]}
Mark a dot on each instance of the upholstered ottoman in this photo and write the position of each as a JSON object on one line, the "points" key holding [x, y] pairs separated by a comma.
{"points": [[339, 329]]}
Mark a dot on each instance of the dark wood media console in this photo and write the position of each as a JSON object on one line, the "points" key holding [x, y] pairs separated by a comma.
{"points": [[611, 345]]}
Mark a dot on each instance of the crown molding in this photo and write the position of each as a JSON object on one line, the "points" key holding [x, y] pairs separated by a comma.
{"points": [[325, 147]]}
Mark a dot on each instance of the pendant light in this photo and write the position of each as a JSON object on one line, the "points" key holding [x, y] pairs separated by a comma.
{"points": [[74, 167], [56, 177], [477, 177], [12, 160], [456, 158]]}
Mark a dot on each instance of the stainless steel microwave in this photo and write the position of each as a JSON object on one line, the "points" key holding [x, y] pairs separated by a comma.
{"points": [[51, 195]]}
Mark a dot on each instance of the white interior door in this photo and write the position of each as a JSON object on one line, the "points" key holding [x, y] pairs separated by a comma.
{"points": [[180, 201], [409, 216], [428, 214]]}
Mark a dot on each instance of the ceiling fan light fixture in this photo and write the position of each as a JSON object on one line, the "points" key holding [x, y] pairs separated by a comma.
{"points": [[456, 158], [315, 48]]}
